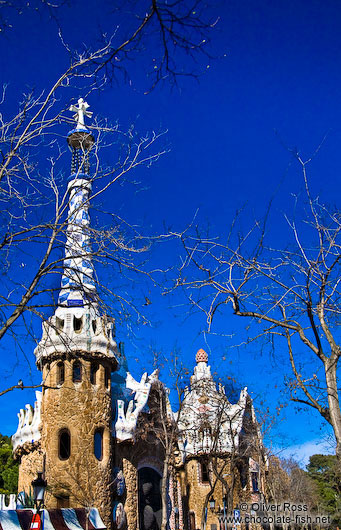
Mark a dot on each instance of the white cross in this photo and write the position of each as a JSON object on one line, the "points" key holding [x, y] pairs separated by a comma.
{"points": [[80, 113]]}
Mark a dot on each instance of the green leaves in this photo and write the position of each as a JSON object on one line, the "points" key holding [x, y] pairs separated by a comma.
{"points": [[324, 472], [8, 467]]}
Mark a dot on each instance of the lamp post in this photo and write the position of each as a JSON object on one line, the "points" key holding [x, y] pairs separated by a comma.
{"points": [[221, 517], [225, 503], [39, 487], [212, 504]]}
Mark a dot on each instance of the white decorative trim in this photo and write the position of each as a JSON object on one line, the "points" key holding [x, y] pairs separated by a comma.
{"points": [[12, 505], [126, 420], [203, 407], [29, 423], [59, 336]]}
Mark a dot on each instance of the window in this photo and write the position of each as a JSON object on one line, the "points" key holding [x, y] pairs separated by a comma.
{"points": [[205, 474], [77, 372], [243, 474], [77, 324], [149, 498], [93, 373], [254, 479], [94, 326], [59, 325], [107, 377], [98, 444], [64, 448], [47, 370], [60, 373]]}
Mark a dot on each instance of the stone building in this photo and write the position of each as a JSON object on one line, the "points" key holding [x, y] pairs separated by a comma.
{"points": [[105, 440]]}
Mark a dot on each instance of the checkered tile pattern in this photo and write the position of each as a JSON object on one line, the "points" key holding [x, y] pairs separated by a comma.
{"points": [[78, 286]]}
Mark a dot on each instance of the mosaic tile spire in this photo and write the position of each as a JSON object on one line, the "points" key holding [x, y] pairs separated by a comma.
{"points": [[78, 287]]}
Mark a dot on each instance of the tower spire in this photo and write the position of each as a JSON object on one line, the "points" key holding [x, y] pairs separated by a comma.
{"points": [[77, 328], [78, 286], [77, 354]]}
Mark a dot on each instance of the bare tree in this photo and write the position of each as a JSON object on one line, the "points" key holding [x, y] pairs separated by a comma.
{"points": [[227, 437], [286, 481], [290, 293], [37, 292], [222, 436], [178, 26], [34, 213], [160, 426]]}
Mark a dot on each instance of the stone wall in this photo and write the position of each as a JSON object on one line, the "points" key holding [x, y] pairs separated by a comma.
{"points": [[197, 490], [31, 461], [131, 505], [81, 480], [130, 457], [194, 491]]}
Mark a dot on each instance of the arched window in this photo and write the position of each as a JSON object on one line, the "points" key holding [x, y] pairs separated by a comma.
{"points": [[93, 373], [59, 325], [77, 372], [204, 472], [254, 479], [60, 373], [47, 369], [242, 468], [77, 324], [64, 445], [149, 498], [98, 443], [107, 377]]}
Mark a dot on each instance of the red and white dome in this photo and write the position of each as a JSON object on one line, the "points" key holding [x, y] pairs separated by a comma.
{"points": [[201, 356]]}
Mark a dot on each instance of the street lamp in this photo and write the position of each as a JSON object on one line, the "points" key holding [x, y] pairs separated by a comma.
{"points": [[39, 487], [212, 504]]}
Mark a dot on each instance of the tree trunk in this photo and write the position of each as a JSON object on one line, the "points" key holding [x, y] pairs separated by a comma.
{"points": [[334, 404], [164, 483]]}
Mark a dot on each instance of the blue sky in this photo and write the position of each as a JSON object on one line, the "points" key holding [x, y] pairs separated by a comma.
{"points": [[275, 83]]}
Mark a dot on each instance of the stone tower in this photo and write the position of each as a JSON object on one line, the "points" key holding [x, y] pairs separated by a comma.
{"points": [[77, 354]]}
